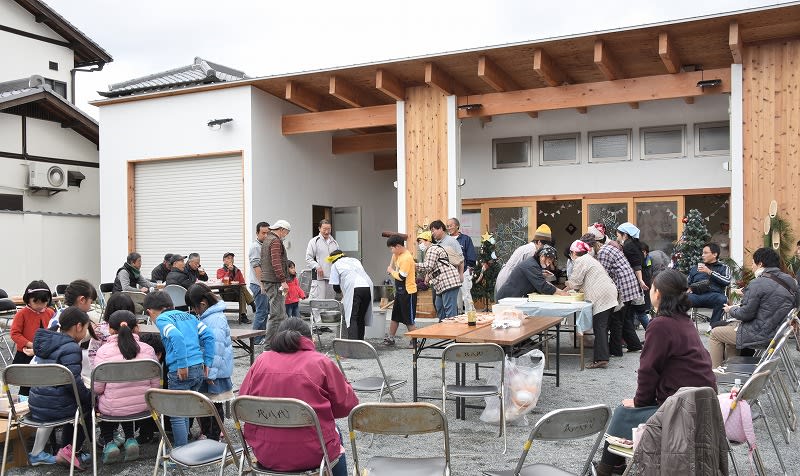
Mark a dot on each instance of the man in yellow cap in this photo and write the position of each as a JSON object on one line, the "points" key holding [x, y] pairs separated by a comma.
{"points": [[542, 236]]}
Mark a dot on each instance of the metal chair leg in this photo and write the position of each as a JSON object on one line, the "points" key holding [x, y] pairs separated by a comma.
{"points": [[769, 432]]}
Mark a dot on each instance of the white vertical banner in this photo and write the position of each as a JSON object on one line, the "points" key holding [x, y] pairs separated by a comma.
{"points": [[453, 162], [401, 166], [737, 165]]}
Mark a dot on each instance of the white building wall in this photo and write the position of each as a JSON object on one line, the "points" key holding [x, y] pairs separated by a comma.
{"points": [[635, 175], [15, 16]]}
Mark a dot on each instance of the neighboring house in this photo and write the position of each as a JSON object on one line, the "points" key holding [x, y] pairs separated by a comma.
{"points": [[638, 124], [49, 169]]}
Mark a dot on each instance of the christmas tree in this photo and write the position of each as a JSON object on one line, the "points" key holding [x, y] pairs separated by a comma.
{"points": [[486, 270], [689, 250]]}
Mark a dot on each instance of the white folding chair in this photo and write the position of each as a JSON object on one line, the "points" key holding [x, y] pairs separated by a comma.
{"points": [[362, 350], [119, 372], [177, 293], [42, 375]]}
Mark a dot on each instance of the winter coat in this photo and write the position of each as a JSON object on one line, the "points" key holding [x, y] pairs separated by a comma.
{"points": [[764, 307], [216, 322], [590, 276], [294, 293], [685, 436], [121, 399], [54, 403], [309, 376], [181, 278], [526, 278], [26, 322]]}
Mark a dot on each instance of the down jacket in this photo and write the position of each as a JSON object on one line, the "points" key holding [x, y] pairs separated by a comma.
{"points": [[216, 322], [685, 436], [121, 399], [55, 403], [764, 307]]}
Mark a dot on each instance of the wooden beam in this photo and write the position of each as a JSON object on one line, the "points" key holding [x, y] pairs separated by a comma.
{"points": [[344, 91], [495, 77], [735, 42], [384, 161], [607, 65], [364, 143], [668, 54], [439, 79], [339, 119], [547, 70], [303, 97], [649, 88], [389, 85]]}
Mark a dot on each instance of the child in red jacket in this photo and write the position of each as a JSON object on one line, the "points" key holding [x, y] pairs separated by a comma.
{"points": [[294, 294]]}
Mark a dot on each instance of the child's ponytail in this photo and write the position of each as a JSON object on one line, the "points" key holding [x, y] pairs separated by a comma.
{"points": [[123, 323]]}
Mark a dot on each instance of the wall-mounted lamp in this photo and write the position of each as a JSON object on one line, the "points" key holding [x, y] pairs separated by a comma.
{"points": [[709, 83], [462, 182], [216, 124], [394, 184], [470, 107]]}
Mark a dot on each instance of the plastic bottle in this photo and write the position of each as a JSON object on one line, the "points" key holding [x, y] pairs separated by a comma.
{"points": [[737, 385], [472, 315]]}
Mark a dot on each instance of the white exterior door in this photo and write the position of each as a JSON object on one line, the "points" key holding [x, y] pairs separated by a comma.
{"points": [[190, 206]]}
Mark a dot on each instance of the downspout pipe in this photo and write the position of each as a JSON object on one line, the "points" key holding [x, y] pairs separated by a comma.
{"points": [[98, 67]]}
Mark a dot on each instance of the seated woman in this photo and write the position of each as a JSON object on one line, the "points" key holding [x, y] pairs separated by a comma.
{"points": [[529, 276], [294, 369], [591, 278], [673, 357]]}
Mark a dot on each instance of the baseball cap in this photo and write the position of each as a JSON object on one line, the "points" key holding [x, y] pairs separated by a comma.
{"points": [[175, 258], [281, 224], [228, 254], [167, 257]]}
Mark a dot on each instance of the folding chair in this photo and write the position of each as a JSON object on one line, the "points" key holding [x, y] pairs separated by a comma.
{"points": [[42, 375], [305, 284], [564, 424], [359, 349], [6, 344], [326, 305], [195, 454], [178, 295], [118, 372], [476, 354], [399, 419], [278, 413], [138, 301]]}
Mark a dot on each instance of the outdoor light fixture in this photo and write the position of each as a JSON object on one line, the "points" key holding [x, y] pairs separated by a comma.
{"points": [[461, 182], [470, 107], [709, 83], [216, 124]]}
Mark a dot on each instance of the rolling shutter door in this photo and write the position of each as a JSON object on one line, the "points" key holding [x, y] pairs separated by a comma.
{"points": [[190, 206]]}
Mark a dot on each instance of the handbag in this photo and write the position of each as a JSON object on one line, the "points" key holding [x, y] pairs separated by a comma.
{"points": [[701, 287]]}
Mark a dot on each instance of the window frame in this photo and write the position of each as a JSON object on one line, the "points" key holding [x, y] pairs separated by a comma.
{"points": [[53, 82], [711, 153], [526, 140], [609, 132], [569, 135], [644, 130]]}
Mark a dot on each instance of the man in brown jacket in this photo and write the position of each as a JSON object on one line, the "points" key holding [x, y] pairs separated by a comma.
{"points": [[274, 272]]}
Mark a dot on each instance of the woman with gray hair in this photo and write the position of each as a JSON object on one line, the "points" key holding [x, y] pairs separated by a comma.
{"points": [[528, 277]]}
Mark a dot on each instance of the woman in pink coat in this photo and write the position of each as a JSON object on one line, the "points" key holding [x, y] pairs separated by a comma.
{"points": [[121, 399], [294, 369]]}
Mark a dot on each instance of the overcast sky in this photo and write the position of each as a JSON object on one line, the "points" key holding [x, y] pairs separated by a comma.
{"points": [[272, 37]]}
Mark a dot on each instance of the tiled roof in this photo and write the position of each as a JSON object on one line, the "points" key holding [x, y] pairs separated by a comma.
{"points": [[199, 72]]}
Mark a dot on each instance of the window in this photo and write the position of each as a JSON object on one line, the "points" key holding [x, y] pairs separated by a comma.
{"points": [[59, 87], [511, 152], [712, 138], [663, 142], [559, 149], [10, 202], [609, 146], [53, 66]]}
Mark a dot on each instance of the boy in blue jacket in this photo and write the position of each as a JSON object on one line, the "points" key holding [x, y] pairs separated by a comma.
{"points": [[190, 351]]}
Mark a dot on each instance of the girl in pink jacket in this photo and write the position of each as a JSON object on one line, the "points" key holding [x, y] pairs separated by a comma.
{"points": [[121, 399]]}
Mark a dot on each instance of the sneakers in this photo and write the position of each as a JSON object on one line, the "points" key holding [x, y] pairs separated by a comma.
{"points": [[111, 453], [244, 320], [80, 459], [131, 449], [41, 458], [388, 340]]}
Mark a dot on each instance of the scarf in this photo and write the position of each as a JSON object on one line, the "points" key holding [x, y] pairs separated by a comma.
{"points": [[134, 272]]}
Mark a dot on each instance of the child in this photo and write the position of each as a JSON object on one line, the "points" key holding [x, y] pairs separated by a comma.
{"points": [[190, 351], [35, 315], [79, 293], [121, 399], [211, 312], [56, 403], [116, 302], [403, 269], [294, 294]]}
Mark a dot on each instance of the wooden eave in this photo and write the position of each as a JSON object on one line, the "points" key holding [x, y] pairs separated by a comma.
{"points": [[47, 106]]}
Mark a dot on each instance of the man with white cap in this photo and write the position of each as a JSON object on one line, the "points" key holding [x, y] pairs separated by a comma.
{"points": [[274, 273], [542, 236]]}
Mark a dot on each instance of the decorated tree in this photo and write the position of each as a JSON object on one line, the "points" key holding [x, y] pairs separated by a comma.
{"points": [[486, 270], [689, 250]]}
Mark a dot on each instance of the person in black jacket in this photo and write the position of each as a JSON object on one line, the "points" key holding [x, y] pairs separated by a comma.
{"points": [[194, 268], [528, 276], [628, 237], [179, 274], [707, 283], [161, 271]]}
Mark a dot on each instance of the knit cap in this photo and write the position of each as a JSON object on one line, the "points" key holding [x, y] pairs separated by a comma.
{"points": [[543, 233]]}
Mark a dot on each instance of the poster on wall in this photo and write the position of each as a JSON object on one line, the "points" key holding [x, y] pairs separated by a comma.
{"points": [[471, 226]]}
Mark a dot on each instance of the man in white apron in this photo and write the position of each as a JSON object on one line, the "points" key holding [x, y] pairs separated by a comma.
{"points": [[349, 278]]}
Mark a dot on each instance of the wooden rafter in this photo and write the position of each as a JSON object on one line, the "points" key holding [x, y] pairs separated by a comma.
{"points": [[439, 79], [497, 78], [303, 97], [339, 119], [607, 65], [344, 91], [666, 86], [547, 70], [735, 42], [388, 84], [364, 143], [668, 54], [384, 161]]}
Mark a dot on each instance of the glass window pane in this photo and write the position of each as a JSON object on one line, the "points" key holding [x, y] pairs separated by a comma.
{"points": [[658, 223], [610, 214], [471, 225], [716, 213], [663, 142], [556, 150], [610, 146], [511, 152], [509, 225], [713, 138]]}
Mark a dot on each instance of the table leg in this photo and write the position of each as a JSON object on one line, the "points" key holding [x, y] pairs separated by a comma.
{"points": [[414, 356], [582, 358], [252, 350], [558, 354]]}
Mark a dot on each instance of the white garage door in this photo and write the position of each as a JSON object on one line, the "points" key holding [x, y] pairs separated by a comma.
{"points": [[190, 206]]}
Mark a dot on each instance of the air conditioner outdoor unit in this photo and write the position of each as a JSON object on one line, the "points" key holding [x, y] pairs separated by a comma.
{"points": [[44, 176]]}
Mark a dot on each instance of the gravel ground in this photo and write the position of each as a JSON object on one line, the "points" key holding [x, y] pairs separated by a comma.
{"points": [[474, 444]]}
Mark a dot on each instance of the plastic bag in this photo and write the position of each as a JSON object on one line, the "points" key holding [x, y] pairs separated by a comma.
{"points": [[523, 385]]}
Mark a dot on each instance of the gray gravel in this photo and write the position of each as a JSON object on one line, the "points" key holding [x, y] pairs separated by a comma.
{"points": [[475, 445]]}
